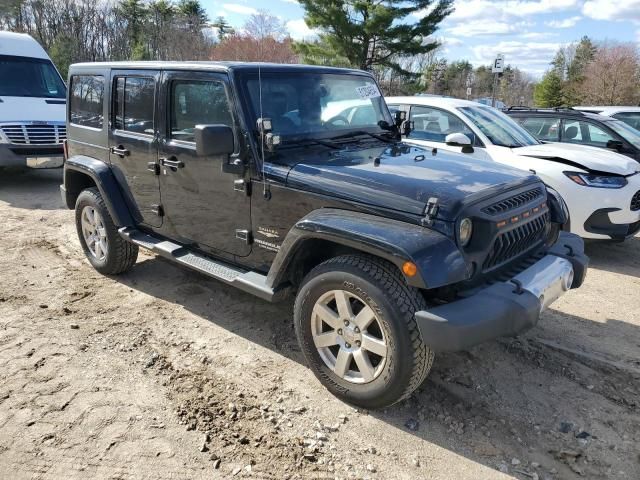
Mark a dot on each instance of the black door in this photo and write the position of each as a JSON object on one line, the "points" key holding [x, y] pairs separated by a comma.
{"points": [[199, 201], [133, 145]]}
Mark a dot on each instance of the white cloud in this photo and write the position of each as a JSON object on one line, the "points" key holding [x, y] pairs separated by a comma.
{"points": [[240, 9], [473, 29], [533, 57], [612, 10], [295, 2], [452, 41], [299, 30], [565, 23], [501, 10]]}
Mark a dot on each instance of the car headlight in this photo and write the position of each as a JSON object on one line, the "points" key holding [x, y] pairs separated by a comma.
{"points": [[597, 181], [465, 230], [3, 137]]}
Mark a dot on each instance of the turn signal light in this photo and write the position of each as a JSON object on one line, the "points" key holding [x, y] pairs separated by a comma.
{"points": [[409, 269]]}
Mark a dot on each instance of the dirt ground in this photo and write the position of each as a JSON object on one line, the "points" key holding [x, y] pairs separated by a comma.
{"points": [[163, 373]]}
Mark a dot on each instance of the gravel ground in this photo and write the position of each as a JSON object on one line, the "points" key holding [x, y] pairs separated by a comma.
{"points": [[163, 373]]}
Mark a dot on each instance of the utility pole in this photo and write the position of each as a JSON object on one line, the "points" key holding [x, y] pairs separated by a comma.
{"points": [[496, 69]]}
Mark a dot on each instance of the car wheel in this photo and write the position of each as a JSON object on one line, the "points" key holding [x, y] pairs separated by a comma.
{"points": [[354, 319], [105, 249]]}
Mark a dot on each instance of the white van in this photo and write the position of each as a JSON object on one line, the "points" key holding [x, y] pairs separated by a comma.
{"points": [[32, 105]]}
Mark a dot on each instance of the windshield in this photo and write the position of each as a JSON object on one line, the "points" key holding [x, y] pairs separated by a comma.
{"points": [[307, 105], [29, 77], [499, 128], [631, 135]]}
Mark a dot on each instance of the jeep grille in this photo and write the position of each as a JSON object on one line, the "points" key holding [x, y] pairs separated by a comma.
{"points": [[513, 202], [25, 134], [517, 241]]}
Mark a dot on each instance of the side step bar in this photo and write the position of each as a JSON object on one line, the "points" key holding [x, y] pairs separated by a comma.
{"points": [[248, 281]]}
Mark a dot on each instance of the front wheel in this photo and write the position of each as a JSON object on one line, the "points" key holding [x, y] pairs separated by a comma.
{"points": [[105, 249], [354, 319]]}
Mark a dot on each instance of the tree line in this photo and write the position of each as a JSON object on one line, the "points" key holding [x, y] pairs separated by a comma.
{"points": [[589, 73], [381, 36]]}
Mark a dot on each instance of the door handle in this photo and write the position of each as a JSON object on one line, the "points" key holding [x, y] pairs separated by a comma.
{"points": [[120, 151], [172, 162]]}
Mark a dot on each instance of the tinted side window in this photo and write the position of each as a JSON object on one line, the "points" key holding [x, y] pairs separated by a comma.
{"points": [[85, 102], [133, 104], [585, 133], [543, 128], [630, 118], [434, 125], [195, 102]]}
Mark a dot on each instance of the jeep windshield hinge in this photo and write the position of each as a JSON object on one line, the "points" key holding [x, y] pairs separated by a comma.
{"points": [[158, 210], [430, 211], [245, 236], [242, 185]]}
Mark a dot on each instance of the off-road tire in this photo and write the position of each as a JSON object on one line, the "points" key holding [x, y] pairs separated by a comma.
{"points": [[121, 255], [382, 285]]}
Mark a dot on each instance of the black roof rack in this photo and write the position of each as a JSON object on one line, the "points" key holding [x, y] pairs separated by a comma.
{"points": [[516, 108]]}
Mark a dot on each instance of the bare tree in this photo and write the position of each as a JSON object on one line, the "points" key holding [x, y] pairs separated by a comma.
{"points": [[263, 25], [242, 47], [613, 77]]}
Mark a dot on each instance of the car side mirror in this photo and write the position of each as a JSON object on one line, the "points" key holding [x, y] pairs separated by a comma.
{"points": [[615, 145], [214, 140], [459, 140]]}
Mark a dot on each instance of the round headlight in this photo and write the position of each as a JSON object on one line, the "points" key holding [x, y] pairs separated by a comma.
{"points": [[465, 229]]}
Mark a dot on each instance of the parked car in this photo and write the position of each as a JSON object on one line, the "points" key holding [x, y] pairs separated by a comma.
{"points": [[600, 188], [582, 128], [32, 105], [629, 115], [394, 252]]}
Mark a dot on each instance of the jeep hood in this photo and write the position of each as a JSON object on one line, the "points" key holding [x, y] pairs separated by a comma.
{"points": [[403, 178], [30, 109], [582, 156]]}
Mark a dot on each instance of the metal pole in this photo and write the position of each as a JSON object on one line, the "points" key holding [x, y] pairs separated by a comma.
{"points": [[493, 90]]}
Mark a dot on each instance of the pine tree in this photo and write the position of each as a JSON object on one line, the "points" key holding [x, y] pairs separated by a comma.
{"points": [[224, 28], [371, 33], [549, 92]]}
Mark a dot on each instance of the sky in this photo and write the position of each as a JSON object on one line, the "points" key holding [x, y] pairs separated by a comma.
{"points": [[527, 32]]}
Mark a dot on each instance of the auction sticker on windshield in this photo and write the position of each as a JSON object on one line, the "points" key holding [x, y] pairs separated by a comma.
{"points": [[368, 91]]}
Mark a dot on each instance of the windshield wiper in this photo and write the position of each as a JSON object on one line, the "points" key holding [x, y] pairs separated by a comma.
{"points": [[311, 141], [359, 133]]}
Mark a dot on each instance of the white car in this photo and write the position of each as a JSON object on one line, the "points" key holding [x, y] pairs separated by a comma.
{"points": [[32, 105], [600, 188], [629, 115]]}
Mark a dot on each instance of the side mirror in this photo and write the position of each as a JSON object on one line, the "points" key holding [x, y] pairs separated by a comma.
{"points": [[615, 145], [212, 140], [459, 140]]}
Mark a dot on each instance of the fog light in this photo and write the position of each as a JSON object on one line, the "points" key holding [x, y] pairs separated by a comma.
{"points": [[465, 230]]}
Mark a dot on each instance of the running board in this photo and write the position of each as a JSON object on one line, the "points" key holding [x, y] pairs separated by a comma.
{"points": [[246, 280]]}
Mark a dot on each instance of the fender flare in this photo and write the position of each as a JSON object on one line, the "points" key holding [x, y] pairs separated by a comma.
{"points": [[437, 257], [107, 184]]}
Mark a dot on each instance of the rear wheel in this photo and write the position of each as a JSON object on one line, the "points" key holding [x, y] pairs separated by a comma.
{"points": [[105, 249], [354, 319]]}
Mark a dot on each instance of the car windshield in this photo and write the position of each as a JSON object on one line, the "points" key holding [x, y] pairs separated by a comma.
{"points": [[630, 134], [498, 127], [29, 77], [317, 105]]}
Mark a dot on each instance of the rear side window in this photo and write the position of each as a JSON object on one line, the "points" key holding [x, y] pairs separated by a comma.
{"points": [[133, 104], [630, 118], [544, 128], [195, 102], [85, 100]]}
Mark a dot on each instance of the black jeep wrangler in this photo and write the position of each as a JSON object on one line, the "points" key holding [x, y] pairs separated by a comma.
{"points": [[291, 179]]}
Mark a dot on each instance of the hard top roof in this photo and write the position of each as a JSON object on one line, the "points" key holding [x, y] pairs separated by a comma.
{"points": [[210, 66], [433, 101]]}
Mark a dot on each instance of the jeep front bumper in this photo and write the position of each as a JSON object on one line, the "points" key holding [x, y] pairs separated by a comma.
{"points": [[506, 308]]}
